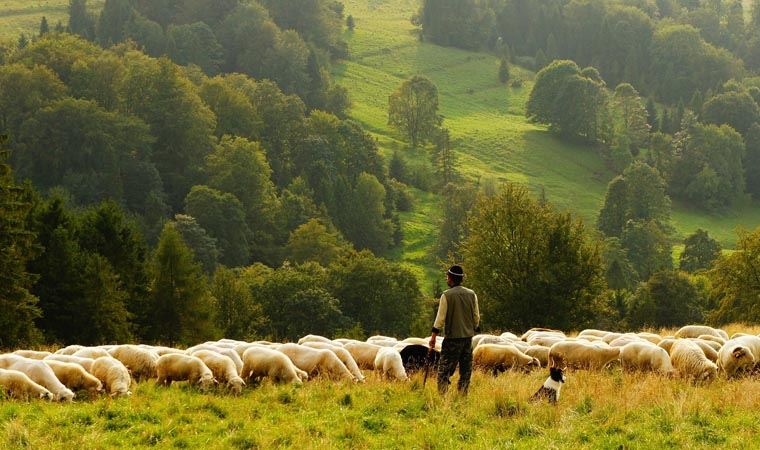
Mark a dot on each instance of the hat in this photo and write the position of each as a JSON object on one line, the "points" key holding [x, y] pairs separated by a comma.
{"points": [[456, 270]]}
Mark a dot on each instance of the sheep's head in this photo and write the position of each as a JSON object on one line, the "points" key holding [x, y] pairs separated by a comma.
{"points": [[236, 385], [65, 396], [46, 395], [709, 373], [207, 381]]}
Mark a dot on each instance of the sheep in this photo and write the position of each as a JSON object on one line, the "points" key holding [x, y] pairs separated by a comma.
{"points": [[499, 358], [580, 354], [389, 364], [545, 340], [342, 354], [140, 362], [228, 352], [594, 333], [707, 349], [645, 356], [241, 348], [651, 337], [314, 338], [690, 362], [378, 337], [707, 342], [540, 331], [626, 339], [739, 354], [314, 361], [114, 376], [609, 337], [32, 354], [91, 352], [509, 336], [692, 331], [70, 350], [538, 352], [74, 377], [344, 341], [259, 362], [736, 335], [363, 353], [40, 373], [176, 367], [667, 344], [161, 350], [480, 339], [18, 385], [223, 368], [86, 363], [709, 337]]}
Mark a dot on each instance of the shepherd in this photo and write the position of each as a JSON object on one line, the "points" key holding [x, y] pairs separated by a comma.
{"points": [[459, 319]]}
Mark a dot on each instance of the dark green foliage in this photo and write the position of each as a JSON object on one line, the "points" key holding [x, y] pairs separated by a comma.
{"points": [[195, 237], [397, 167], [649, 247], [194, 44], [238, 316], [223, 216], [530, 265], [734, 282], [315, 241], [350, 23], [667, 299], [614, 213], [181, 306], [363, 221], [456, 205], [17, 246], [80, 21], [23, 41], [700, 251], [455, 23], [503, 71], [148, 35], [413, 110], [23, 92], [619, 271], [629, 118], [737, 109], [315, 20], [235, 113], [652, 119], [752, 160], [114, 17], [443, 158], [44, 27], [381, 296]]}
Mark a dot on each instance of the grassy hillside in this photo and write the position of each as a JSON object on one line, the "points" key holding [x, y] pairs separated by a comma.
{"points": [[491, 136], [23, 16]]}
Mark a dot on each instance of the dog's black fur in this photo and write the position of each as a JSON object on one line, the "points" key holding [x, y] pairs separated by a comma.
{"points": [[557, 378]]}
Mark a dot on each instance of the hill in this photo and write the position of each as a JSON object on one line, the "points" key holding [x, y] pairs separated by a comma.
{"points": [[490, 134], [23, 16]]}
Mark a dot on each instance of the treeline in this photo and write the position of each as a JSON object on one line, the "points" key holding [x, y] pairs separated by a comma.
{"points": [[289, 42], [86, 275], [245, 160], [670, 49]]}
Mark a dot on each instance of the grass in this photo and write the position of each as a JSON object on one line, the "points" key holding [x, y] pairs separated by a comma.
{"points": [[23, 16], [491, 137]]}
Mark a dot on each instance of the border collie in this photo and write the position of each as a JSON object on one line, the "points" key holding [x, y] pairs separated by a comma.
{"points": [[552, 385]]}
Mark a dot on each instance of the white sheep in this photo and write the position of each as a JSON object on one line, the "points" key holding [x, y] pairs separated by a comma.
{"points": [[177, 367], [161, 350], [69, 350], [651, 337], [74, 377], [314, 338], [690, 361], [18, 385], [86, 363], [32, 354], [707, 348], [739, 354], [540, 332], [259, 362], [645, 356], [223, 368], [40, 373], [538, 352], [342, 354], [693, 331], [709, 337], [582, 355], [114, 376], [92, 352], [389, 364], [228, 352], [140, 362], [498, 358], [363, 353], [315, 361]]}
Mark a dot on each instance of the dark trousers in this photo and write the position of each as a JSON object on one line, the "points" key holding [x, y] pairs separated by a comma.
{"points": [[455, 351]]}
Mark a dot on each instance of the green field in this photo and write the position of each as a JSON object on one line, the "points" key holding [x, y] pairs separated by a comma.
{"points": [[490, 134], [23, 16]]}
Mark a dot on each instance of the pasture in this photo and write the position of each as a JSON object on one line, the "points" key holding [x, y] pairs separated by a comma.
{"points": [[23, 16]]}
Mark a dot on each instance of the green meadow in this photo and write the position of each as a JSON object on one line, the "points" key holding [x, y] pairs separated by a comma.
{"points": [[23, 16]]}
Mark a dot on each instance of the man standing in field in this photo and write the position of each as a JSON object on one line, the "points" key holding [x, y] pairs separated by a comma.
{"points": [[459, 317]]}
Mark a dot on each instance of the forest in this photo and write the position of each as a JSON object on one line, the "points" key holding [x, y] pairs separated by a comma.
{"points": [[177, 170]]}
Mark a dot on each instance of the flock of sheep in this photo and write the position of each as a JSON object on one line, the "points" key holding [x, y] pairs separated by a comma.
{"points": [[695, 352]]}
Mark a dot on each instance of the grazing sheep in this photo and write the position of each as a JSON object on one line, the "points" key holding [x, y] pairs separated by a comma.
{"points": [[538, 352], [140, 362], [74, 377], [389, 364], [259, 362], [314, 338], [32, 354], [344, 341], [114, 376], [707, 349], [544, 340], [223, 368], [509, 336], [92, 352], [228, 352], [241, 348], [739, 354], [86, 363], [692, 331], [315, 361], [651, 337], [736, 335], [378, 337], [364, 353], [690, 361], [582, 355], [594, 333], [667, 344], [40, 373], [18, 385], [161, 350], [626, 339], [342, 354], [176, 367], [645, 356], [709, 337], [609, 337], [540, 331], [499, 358], [70, 350]]}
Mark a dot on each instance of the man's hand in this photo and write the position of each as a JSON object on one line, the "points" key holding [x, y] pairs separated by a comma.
{"points": [[432, 342]]}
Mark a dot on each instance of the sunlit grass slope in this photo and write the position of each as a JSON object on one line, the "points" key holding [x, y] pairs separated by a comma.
{"points": [[23, 16], [491, 136]]}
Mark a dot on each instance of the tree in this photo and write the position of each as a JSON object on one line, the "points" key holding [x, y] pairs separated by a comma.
{"points": [[652, 119], [44, 27], [364, 222], [80, 21], [195, 237], [700, 252], [734, 282], [752, 160], [397, 167], [147, 34], [530, 265], [413, 110], [667, 299], [314, 241], [456, 205], [23, 41], [619, 272], [737, 109], [17, 246], [181, 304], [114, 17], [630, 117], [614, 213], [195, 44], [504, 71], [443, 158], [102, 315], [223, 216], [649, 248], [350, 23], [24, 92], [238, 316], [234, 111]]}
